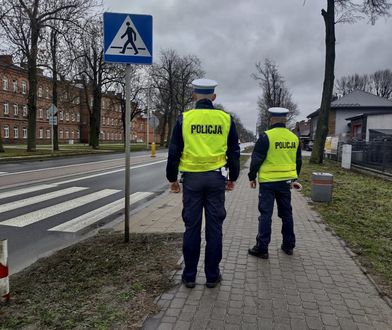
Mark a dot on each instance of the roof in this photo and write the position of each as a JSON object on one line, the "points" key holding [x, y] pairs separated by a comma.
{"points": [[387, 131], [358, 99], [363, 115]]}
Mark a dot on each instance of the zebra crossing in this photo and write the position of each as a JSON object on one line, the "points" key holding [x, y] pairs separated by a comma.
{"points": [[70, 225]]}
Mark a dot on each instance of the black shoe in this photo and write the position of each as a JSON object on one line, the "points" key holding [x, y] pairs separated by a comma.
{"points": [[189, 285], [211, 285], [254, 251], [287, 250]]}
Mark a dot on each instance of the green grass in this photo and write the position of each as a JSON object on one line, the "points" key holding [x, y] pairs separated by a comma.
{"points": [[360, 213], [45, 151]]}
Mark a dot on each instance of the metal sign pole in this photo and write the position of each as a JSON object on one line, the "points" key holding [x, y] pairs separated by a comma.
{"points": [[127, 148], [52, 134]]}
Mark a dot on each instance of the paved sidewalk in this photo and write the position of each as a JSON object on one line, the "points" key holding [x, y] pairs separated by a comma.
{"points": [[319, 287]]}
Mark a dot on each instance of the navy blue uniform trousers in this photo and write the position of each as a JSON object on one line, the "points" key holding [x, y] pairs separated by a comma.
{"points": [[268, 192], [204, 190]]}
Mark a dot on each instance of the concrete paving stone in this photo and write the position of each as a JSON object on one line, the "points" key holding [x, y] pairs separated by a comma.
{"points": [[182, 325], [364, 327], [381, 326], [282, 326], [169, 319], [329, 319], [232, 319], [151, 324], [165, 326], [177, 303], [314, 322], [236, 303], [234, 311], [218, 313], [362, 319], [173, 312], [298, 324], [265, 323]]}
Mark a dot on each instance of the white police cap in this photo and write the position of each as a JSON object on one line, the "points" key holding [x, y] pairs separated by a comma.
{"points": [[278, 112], [204, 86]]}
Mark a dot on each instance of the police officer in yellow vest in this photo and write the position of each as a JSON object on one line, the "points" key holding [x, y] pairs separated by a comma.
{"points": [[276, 162], [204, 143]]}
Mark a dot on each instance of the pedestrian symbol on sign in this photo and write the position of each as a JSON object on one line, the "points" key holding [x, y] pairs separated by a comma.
{"points": [[133, 41], [131, 38]]}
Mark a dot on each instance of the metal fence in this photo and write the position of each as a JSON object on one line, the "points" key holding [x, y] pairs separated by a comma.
{"points": [[376, 155]]}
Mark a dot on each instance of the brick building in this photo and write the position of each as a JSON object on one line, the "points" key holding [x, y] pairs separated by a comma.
{"points": [[74, 106]]}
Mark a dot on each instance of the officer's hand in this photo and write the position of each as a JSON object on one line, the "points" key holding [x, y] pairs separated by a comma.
{"points": [[175, 187], [253, 184], [230, 185]]}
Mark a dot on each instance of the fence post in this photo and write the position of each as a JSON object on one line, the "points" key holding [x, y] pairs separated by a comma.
{"points": [[4, 282]]}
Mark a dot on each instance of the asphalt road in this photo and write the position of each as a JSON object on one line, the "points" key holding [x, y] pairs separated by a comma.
{"points": [[46, 205]]}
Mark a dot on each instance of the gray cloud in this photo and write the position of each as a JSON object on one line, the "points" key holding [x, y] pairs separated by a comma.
{"points": [[231, 36]]}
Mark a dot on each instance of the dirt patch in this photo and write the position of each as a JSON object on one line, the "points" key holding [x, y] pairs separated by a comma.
{"points": [[100, 283]]}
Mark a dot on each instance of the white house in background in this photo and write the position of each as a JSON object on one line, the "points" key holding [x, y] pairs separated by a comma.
{"points": [[373, 126], [350, 106]]}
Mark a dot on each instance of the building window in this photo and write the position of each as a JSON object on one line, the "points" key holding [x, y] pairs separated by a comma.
{"points": [[40, 113], [48, 133], [78, 117], [24, 87], [112, 122], [61, 115], [67, 134], [16, 110], [67, 116], [41, 133], [6, 132], [47, 93], [16, 133], [6, 110], [91, 101], [39, 91], [25, 111], [61, 133], [15, 85], [47, 114], [5, 84], [78, 134], [72, 134], [24, 132], [72, 116]]}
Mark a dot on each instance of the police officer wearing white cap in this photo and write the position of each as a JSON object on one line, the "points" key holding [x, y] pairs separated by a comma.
{"points": [[276, 162], [204, 143]]}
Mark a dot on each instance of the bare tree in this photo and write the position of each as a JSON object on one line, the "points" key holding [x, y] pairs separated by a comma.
{"points": [[93, 73], [171, 79], [378, 83], [139, 90], [347, 12], [22, 23], [274, 93]]}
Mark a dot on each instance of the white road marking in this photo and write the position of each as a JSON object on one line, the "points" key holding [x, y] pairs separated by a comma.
{"points": [[2, 173], [35, 216], [26, 190], [37, 199], [110, 172], [87, 219], [65, 166]]}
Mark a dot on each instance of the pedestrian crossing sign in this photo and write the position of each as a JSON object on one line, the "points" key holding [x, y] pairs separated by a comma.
{"points": [[127, 38]]}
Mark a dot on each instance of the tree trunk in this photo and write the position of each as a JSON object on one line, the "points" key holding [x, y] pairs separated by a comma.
{"points": [[95, 119], [32, 96], [1, 142], [322, 123], [53, 45]]}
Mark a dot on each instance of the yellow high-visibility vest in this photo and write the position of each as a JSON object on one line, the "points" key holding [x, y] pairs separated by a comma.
{"points": [[280, 163], [205, 133]]}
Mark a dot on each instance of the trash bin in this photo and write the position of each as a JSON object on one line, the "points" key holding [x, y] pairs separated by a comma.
{"points": [[322, 187], [70, 141]]}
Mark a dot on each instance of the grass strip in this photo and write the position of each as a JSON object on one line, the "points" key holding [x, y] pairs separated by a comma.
{"points": [[360, 213], [100, 283]]}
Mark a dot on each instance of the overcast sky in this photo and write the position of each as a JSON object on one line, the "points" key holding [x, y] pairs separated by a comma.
{"points": [[230, 36]]}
